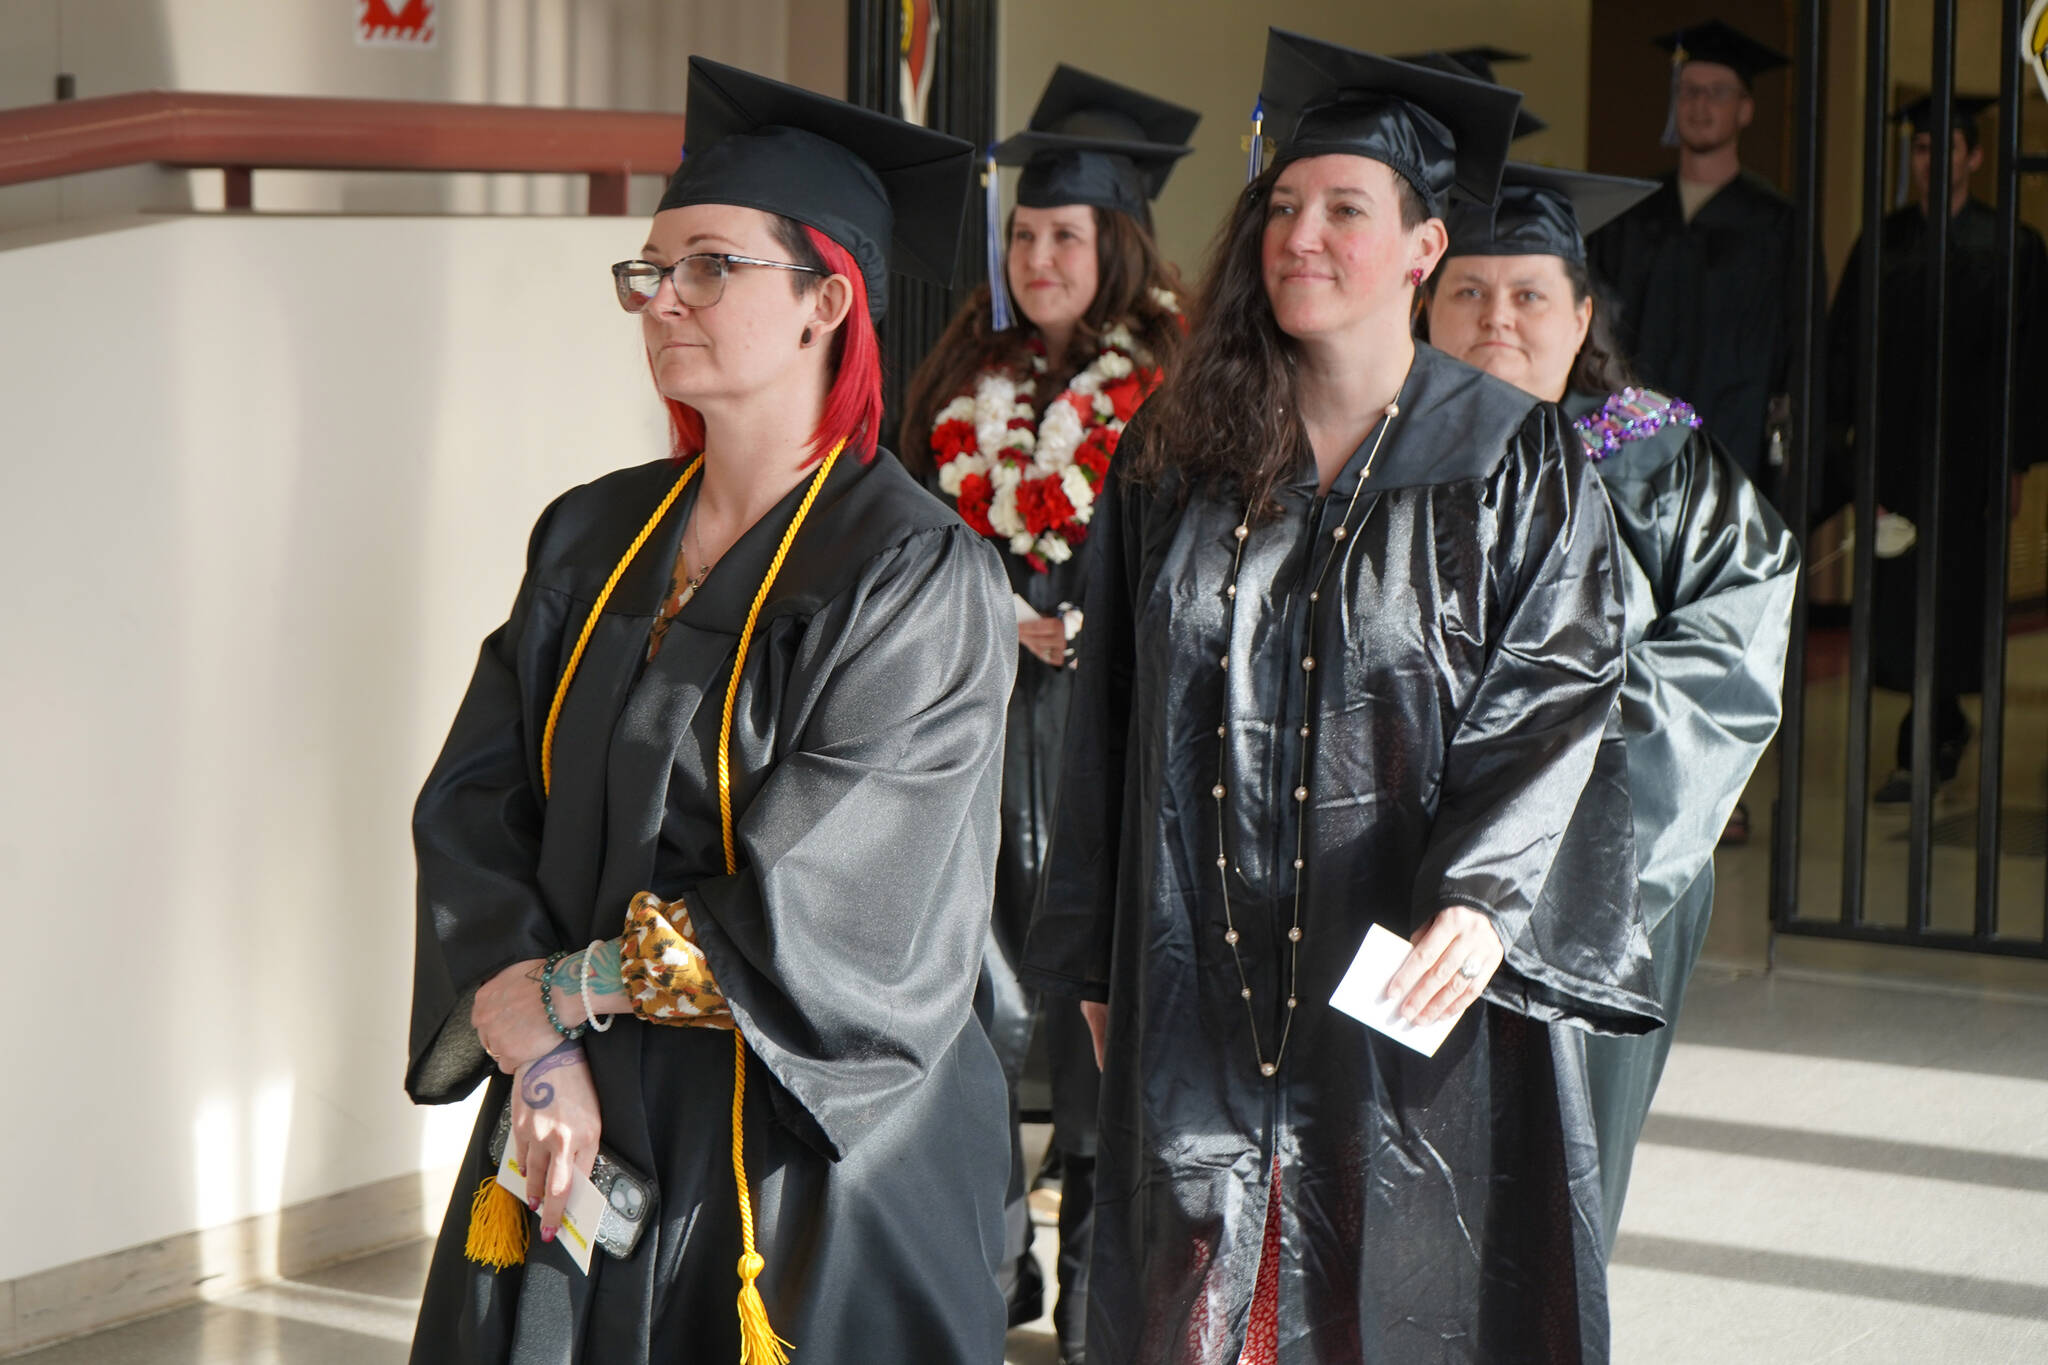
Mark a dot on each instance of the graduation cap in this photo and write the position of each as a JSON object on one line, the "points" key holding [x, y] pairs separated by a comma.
{"points": [[1478, 62], [1723, 45], [890, 192], [1919, 115], [1436, 130], [1093, 141], [1543, 211]]}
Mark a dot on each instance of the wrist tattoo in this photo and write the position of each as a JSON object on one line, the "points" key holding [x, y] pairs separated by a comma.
{"points": [[537, 1093], [605, 974]]}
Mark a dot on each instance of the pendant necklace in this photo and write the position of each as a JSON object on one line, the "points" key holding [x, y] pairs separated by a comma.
{"points": [[681, 588], [692, 581], [1339, 534]]}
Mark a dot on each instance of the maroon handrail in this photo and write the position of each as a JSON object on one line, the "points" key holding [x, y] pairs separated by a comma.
{"points": [[244, 133]]}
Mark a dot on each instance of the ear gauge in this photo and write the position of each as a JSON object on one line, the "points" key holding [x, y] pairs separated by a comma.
{"points": [[807, 336]]}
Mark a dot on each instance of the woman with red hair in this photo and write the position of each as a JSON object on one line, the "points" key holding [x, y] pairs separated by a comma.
{"points": [[731, 771]]}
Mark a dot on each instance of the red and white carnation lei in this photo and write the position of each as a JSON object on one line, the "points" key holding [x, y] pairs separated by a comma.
{"points": [[1032, 481]]}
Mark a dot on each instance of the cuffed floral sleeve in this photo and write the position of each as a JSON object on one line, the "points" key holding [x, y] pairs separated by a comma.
{"points": [[666, 976]]}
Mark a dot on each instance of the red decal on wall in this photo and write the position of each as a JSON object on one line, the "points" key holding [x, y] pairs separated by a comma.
{"points": [[400, 23]]}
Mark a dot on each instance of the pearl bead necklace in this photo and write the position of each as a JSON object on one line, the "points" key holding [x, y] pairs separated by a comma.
{"points": [[1339, 534]]}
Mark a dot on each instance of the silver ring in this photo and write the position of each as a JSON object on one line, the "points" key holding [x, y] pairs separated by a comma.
{"points": [[1470, 970]]}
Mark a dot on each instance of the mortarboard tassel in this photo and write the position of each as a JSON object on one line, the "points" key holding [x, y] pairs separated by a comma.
{"points": [[1902, 179], [1678, 60], [497, 1226], [998, 282], [1256, 151]]}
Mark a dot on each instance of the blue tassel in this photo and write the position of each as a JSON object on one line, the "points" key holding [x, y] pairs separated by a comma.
{"points": [[998, 284], [1669, 137], [1254, 162]]}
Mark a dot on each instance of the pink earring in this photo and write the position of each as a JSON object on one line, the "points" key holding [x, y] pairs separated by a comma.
{"points": [[1415, 277]]}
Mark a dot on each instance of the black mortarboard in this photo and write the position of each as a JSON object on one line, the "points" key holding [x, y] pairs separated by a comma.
{"points": [[1724, 45], [892, 193], [1433, 129], [1093, 141], [1919, 115], [1477, 62], [1542, 211]]}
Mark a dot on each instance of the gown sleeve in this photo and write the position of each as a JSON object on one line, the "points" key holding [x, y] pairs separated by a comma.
{"points": [[476, 838], [1704, 689], [1067, 951], [848, 944], [1524, 744]]}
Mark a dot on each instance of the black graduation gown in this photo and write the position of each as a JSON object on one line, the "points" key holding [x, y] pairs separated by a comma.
{"points": [[865, 753], [1469, 654], [1705, 308], [1708, 573], [1970, 459], [1032, 747]]}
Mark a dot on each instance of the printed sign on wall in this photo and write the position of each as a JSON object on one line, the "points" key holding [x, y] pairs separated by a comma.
{"points": [[395, 23]]}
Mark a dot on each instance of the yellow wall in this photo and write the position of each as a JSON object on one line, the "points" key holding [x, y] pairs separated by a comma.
{"points": [[1207, 54]]}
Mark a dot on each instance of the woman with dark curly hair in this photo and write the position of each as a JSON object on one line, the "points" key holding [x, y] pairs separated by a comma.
{"points": [[1014, 418], [1708, 569], [1354, 638]]}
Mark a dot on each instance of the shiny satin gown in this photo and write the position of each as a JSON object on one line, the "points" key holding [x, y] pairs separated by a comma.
{"points": [[866, 756], [1468, 656]]}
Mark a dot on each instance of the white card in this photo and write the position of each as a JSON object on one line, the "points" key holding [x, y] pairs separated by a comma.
{"points": [[578, 1234], [1025, 611], [1365, 982]]}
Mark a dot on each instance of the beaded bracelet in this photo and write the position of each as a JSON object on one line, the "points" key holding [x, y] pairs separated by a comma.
{"points": [[547, 997], [583, 985]]}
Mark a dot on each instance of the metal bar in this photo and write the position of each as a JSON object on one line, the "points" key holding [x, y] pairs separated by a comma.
{"points": [[273, 132], [1998, 531], [2031, 165], [1927, 549], [1809, 414], [607, 194], [1907, 938], [1870, 434]]}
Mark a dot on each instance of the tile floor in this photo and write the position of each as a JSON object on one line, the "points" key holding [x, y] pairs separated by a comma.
{"points": [[1843, 1165], [1837, 1171]]}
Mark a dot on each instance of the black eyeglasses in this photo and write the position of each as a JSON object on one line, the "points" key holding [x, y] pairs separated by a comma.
{"points": [[699, 279]]}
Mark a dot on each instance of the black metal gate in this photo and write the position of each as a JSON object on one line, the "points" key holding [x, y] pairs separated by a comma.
{"points": [[2009, 932], [963, 103]]}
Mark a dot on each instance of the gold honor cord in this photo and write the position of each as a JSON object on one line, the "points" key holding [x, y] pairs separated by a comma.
{"points": [[758, 1343], [547, 735]]}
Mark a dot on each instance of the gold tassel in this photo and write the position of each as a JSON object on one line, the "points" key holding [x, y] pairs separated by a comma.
{"points": [[497, 1227], [758, 1343]]}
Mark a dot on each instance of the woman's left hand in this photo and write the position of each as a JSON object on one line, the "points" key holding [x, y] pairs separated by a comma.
{"points": [[1046, 638], [555, 1128], [1454, 956], [512, 1022]]}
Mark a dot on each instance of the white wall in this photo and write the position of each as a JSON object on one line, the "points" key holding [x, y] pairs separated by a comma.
{"points": [[264, 484], [615, 54]]}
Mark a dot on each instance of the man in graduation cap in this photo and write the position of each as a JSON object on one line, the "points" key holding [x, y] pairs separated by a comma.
{"points": [[1702, 269], [1972, 396], [705, 862], [1353, 639]]}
